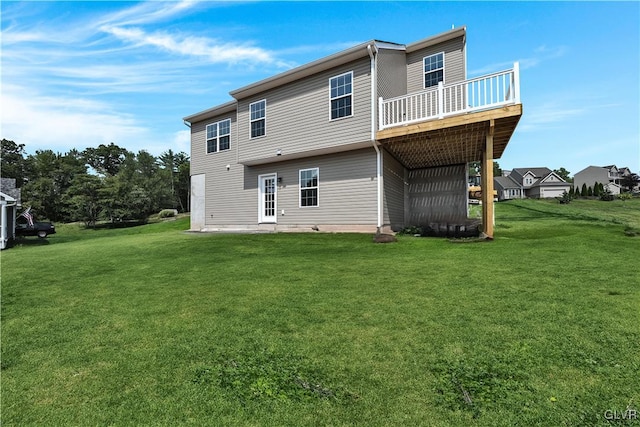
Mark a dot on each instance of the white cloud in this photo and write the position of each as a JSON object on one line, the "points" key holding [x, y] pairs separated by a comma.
{"points": [[182, 141], [546, 115], [540, 54], [60, 123], [147, 12], [213, 50]]}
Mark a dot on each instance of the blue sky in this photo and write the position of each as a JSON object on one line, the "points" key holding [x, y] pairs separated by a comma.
{"points": [[78, 74]]}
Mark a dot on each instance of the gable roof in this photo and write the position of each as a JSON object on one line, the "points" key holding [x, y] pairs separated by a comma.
{"points": [[227, 107], [337, 59], [537, 172], [340, 58], [506, 182], [560, 180]]}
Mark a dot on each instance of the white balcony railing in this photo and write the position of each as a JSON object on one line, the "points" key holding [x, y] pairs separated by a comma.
{"points": [[482, 93]]}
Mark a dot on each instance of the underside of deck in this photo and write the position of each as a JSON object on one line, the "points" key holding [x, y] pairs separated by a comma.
{"points": [[451, 140]]}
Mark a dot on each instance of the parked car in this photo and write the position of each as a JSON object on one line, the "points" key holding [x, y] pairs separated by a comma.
{"points": [[36, 228]]}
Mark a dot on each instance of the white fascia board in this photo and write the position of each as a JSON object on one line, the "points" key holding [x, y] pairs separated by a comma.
{"points": [[439, 38], [7, 197], [225, 108], [323, 64]]}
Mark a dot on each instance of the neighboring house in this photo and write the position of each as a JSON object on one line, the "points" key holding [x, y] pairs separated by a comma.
{"points": [[374, 137], [538, 183], [9, 202], [507, 188], [609, 176]]}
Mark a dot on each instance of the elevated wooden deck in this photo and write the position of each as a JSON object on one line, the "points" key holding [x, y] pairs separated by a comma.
{"points": [[452, 124], [451, 140]]}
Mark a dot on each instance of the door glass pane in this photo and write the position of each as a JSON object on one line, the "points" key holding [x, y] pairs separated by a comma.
{"points": [[269, 197]]}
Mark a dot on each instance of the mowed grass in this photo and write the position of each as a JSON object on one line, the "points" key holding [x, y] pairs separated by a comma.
{"points": [[155, 326]]}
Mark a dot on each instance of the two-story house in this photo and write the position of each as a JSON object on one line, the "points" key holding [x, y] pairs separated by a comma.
{"points": [[537, 183], [374, 137], [609, 176]]}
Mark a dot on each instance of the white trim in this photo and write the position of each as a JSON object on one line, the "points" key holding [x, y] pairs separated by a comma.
{"points": [[379, 187], [444, 68], [342, 96], [217, 137], [317, 187], [264, 118], [263, 219]]}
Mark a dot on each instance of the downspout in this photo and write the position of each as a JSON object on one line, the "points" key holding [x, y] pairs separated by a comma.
{"points": [[373, 50], [188, 124]]}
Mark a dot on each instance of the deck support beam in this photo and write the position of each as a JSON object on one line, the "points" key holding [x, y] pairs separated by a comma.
{"points": [[487, 182]]}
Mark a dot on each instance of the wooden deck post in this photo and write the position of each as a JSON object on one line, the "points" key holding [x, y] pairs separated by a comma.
{"points": [[487, 182]]}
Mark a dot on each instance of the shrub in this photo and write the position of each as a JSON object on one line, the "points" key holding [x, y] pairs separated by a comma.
{"points": [[583, 192], [565, 199], [167, 213], [411, 230], [607, 195], [625, 196]]}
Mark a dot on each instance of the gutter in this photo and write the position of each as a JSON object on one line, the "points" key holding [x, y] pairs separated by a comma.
{"points": [[373, 51]]}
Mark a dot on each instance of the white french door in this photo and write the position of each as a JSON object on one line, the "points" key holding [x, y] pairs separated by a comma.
{"points": [[268, 198]]}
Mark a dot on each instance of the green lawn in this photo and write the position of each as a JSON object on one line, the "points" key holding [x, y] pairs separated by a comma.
{"points": [[155, 326]]}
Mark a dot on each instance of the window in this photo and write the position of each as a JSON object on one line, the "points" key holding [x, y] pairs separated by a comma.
{"points": [[258, 118], [341, 95], [218, 136], [433, 69], [309, 187]]}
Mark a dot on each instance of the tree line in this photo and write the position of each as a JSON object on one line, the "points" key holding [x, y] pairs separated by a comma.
{"points": [[107, 182]]}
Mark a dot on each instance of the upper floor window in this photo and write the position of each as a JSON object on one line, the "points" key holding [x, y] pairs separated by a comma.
{"points": [[258, 112], [309, 187], [218, 136], [433, 69], [341, 95]]}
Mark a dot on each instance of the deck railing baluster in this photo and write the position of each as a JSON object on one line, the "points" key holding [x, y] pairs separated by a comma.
{"points": [[479, 93]]}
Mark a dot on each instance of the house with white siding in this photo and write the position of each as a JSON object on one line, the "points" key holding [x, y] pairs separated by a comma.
{"points": [[536, 183], [9, 203], [376, 137]]}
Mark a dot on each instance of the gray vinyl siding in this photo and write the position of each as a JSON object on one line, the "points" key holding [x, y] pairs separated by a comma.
{"points": [[201, 161], [454, 63], [347, 190], [394, 192], [590, 176], [437, 194], [227, 202], [298, 116], [392, 73]]}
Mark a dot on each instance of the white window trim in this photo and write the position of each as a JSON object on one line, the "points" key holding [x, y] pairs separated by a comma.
{"points": [[218, 136], [444, 69], [353, 98], [300, 188], [261, 216], [264, 118]]}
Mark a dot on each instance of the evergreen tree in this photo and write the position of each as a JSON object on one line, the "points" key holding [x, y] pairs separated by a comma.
{"points": [[596, 190], [583, 192], [12, 161]]}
